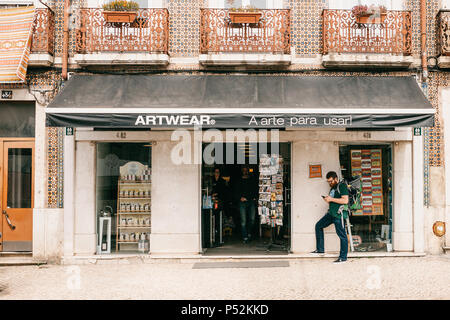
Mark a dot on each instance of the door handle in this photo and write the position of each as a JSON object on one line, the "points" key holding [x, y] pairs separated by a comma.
{"points": [[13, 227]]}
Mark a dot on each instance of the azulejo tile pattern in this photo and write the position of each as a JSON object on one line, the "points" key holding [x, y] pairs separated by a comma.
{"points": [[436, 80], [307, 26], [55, 192], [184, 27]]}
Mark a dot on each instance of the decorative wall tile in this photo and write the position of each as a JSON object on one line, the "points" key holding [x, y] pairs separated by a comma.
{"points": [[184, 27], [306, 25]]}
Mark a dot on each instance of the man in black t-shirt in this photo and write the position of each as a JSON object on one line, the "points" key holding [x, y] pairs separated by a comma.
{"points": [[337, 212]]}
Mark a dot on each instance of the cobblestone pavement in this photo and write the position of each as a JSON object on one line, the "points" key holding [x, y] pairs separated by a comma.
{"points": [[366, 278]]}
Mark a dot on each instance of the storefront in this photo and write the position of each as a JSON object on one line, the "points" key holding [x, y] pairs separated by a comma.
{"points": [[269, 170], [151, 132]]}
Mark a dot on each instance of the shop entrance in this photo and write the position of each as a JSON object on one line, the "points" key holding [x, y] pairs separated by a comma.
{"points": [[370, 169], [269, 203], [16, 190]]}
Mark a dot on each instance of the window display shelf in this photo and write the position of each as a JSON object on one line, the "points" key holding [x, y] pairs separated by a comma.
{"points": [[135, 227], [134, 202], [135, 212], [149, 182]]}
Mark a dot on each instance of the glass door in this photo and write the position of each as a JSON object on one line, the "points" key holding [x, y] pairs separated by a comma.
{"points": [[17, 162]]}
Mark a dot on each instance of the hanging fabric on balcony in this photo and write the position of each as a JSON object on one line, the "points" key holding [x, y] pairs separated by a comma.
{"points": [[232, 101], [15, 43]]}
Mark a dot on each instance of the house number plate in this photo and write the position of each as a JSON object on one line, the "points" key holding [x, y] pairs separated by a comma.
{"points": [[7, 94]]}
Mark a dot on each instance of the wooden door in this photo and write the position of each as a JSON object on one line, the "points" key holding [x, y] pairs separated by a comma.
{"points": [[17, 200]]}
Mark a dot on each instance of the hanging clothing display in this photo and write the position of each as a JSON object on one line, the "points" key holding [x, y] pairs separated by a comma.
{"points": [[270, 203]]}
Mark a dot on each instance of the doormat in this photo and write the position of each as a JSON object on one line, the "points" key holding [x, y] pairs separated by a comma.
{"points": [[241, 264]]}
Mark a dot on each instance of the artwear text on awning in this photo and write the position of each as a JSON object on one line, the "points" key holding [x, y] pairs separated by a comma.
{"points": [[212, 101]]}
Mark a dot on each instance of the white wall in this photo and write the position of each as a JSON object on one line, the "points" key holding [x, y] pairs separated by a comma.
{"points": [[445, 4], [402, 236], [307, 204], [445, 123], [175, 203], [85, 215]]}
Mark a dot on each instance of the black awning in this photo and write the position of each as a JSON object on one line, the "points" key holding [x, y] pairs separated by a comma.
{"points": [[233, 101]]}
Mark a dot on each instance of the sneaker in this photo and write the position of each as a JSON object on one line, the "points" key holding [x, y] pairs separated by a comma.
{"points": [[339, 260], [318, 252]]}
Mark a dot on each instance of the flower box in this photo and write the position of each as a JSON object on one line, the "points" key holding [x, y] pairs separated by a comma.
{"points": [[245, 17], [120, 16], [371, 19]]}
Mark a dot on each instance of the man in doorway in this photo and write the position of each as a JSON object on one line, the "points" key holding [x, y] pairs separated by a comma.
{"points": [[219, 188], [246, 195], [219, 195], [337, 213]]}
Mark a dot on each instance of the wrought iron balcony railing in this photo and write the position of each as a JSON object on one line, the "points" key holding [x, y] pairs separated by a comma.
{"points": [[343, 33], [149, 32], [220, 34], [42, 40]]}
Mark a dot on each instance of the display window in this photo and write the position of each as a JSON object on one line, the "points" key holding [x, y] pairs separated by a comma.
{"points": [[368, 172], [123, 197], [246, 199]]}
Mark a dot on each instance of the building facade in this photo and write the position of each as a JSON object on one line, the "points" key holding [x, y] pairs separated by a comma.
{"points": [[81, 155]]}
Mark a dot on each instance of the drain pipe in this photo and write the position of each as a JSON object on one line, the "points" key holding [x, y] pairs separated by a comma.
{"points": [[423, 33], [65, 56]]}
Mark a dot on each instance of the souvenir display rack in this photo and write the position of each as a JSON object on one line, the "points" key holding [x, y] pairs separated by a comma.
{"points": [[270, 202], [134, 207], [367, 164]]}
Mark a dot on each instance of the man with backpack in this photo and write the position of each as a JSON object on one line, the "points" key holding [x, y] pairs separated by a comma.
{"points": [[337, 213]]}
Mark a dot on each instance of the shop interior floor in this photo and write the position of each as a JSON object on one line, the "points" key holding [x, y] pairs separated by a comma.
{"points": [[234, 246], [241, 264]]}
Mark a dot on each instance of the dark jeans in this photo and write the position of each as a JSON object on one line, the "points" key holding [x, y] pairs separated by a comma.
{"points": [[340, 230], [247, 211], [217, 227]]}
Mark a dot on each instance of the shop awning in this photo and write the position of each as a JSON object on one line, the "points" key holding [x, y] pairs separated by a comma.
{"points": [[234, 101], [15, 43]]}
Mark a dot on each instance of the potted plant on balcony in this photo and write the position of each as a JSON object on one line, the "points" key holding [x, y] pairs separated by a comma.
{"points": [[120, 11], [372, 14], [246, 14]]}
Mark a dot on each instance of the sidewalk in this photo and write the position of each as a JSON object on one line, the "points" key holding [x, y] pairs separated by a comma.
{"points": [[365, 278]]}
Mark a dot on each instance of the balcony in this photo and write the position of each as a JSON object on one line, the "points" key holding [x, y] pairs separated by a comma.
{"points": [[144, 41], [42, 41], [444, 39], [349, 44], [224, 41]]}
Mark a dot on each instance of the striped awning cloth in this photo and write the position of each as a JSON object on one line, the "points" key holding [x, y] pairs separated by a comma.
{"points": [[15, 43]]}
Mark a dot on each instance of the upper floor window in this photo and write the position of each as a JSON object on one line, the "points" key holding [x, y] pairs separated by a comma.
{"points": [[260, 4], [142, 3], [19, 3], [445, 4], [349, 4]]}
